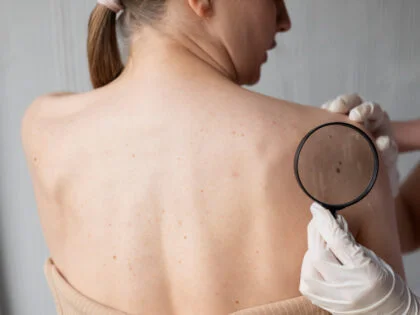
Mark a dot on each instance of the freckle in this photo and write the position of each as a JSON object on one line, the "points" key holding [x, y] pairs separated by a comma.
{"points": [[163, 211], [114, 257], [257, 251], [338, 170], [235, 174], [274, 122], [180, 223], [110, 225], [129, 267], [89, 235], [237, 302], [134, 155], [242, 135], [202, 190], [330, 136], [185, 237], [35, 159], [179, 261], [234, 132], [340, 163]]}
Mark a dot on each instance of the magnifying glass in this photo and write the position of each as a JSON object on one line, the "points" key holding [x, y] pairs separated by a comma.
{"points": [[349, 162]]}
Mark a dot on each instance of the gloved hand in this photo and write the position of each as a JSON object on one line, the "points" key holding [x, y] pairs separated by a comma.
{"points": [[343, 277], [377, 121]]}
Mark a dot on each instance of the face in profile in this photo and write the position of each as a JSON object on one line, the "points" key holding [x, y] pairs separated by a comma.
{"points": [[247, 29]]}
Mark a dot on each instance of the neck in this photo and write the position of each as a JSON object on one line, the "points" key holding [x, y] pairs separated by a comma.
{"points": [[153, 47]]}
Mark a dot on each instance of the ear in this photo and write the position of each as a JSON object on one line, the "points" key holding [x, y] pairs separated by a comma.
{"points": [[203, 8]]}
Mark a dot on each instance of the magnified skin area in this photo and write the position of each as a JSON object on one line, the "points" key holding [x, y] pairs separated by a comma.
{"points": [[346, 173]]}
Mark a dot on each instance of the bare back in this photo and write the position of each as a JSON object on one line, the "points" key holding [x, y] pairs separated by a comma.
{"points": [[174, 200]]}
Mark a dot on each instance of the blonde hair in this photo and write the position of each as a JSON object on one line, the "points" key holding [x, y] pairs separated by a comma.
{"points": [[105, 63]]}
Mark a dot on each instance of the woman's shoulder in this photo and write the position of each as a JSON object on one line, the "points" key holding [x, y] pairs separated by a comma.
{"points": [[42, 114]]}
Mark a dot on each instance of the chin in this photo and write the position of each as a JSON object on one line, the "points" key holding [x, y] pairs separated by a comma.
{"points": [[252, 78]]}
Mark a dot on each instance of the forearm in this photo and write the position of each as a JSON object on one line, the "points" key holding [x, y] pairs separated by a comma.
{"points": [[408, 212], [407, 135]]}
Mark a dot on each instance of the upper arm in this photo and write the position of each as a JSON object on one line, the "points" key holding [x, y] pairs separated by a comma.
{"points": [[408, 211], [373, 219], [377, 224]]}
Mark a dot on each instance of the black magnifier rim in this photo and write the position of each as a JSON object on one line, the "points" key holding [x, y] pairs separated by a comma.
{"points": [[336, 207]]}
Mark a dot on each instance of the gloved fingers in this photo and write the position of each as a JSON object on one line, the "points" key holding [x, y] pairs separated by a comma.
{"points": [[367, 111], [317, 246], [388, 148], [385, 128], [389, 152], [338, 241], [308, 271], [333, 272], [343, 103], [374, 118], [324, 294]]}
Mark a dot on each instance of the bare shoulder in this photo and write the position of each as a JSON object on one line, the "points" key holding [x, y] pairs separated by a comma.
{"points": [[373, 219], [36, 117]]}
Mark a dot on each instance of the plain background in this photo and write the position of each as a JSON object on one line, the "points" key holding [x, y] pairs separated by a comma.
{"points": [[335, 46]]}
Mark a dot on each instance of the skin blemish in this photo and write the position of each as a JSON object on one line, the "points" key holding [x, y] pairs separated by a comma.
{"points": [[202, 190], [180, 223], [330, 136], [133, 155], [242, 135], [35, 159], [338, 170], [185, 237], [234, 132], [109, 225], [340, 163], [274, 122], [114, 257], [235, 174], [237, 302], [257, 251]]}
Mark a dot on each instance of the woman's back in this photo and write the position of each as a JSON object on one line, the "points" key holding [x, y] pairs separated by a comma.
{"points": [[163, 200], [171, 191]]}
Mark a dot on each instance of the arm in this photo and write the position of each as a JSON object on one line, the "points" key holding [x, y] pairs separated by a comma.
{"points": [[378, 223], [373, 219], [377, 121], [408, 211], [407, 135]]}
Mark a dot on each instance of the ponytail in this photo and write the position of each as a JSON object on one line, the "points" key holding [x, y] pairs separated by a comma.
{"points": [[104, 57]]}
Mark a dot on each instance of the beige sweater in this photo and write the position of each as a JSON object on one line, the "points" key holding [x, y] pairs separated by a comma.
{"points": [[71, 302]]}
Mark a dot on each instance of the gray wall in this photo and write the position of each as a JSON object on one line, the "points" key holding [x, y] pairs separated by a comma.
{"points": [[371, 47]]}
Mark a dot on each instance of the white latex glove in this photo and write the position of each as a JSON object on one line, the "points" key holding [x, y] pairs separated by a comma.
{"points": [[377, 121], [343, 277]]}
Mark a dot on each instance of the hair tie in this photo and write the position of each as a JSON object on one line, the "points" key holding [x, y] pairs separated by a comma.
{"points": [[113, 5]]}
